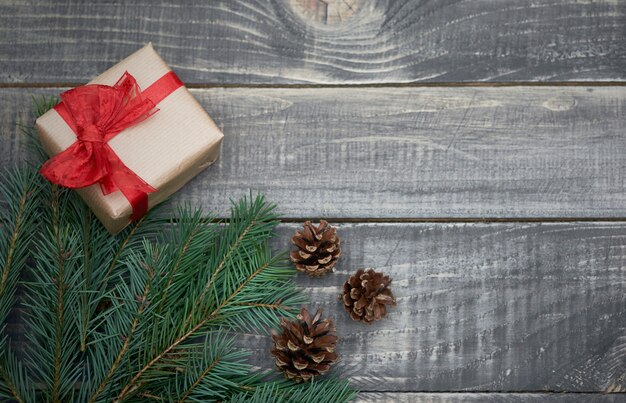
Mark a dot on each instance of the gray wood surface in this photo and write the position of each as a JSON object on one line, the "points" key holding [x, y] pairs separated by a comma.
{"points": [[314, 41], [395, 397], [513, 152], [523, 310], [481, 307], [504, 307]]}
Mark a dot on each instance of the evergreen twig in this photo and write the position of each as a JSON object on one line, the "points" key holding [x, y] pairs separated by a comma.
{"points": [[147, 314], [18, 192]]}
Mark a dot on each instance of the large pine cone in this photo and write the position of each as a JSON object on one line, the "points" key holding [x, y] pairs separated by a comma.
{"points": [[306, 346], [318, 248], [366, 295]]}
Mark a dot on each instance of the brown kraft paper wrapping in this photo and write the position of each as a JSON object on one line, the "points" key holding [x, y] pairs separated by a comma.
{"points": [[166, 150]]}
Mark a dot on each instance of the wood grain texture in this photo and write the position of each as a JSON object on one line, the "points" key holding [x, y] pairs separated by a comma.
{"points": [[501, 307], [319, 42], [482, 307], [406, 152], [395, 397]]}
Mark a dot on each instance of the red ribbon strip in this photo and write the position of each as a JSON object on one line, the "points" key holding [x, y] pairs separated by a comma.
{"points": [[96, 114]]}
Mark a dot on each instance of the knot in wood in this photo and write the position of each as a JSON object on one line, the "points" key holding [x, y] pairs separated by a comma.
{"points": [[326, 12]]}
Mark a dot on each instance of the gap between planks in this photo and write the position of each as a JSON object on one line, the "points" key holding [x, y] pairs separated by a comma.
{"points": [[459, 220], [498, 392], [442, 220], [364, 85]]}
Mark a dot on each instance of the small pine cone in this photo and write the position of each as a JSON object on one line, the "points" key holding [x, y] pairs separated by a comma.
{"points": [[318, 248], [366, 294], [305, 348]]}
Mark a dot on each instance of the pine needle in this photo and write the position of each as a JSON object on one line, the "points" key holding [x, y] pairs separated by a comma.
{"points": [[325, 391], [149, 314], [18, 194]]}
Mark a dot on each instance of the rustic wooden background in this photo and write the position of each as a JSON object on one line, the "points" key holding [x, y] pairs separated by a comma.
{"points": [[473, 149]]}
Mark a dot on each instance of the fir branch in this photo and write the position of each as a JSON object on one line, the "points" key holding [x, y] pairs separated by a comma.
{"points": [[53, 299], [60, 284], [18, 193], [103, 255], [43, 104], [151, 397], [125, 315], [146, 227], [58, 335], [199, 379], [15, 233], [124, 349], [326, 391], [251, 225], [275, 306], [238, 290], [97, 248], [179, 341], [183, 241], [9, 386], [119, 251], [212, 371], [131, 384], [120, 324], [8, 261], [17, 386], [257, 213], [35, 152], [86, 281]]}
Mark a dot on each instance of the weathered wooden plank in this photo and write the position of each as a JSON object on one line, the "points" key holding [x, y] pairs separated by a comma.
{"points": [[406, 152], [310, 41], [483, 307], [395, 397]]}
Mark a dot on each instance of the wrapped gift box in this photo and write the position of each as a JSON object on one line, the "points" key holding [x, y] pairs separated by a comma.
{"points": [[166, 149]]}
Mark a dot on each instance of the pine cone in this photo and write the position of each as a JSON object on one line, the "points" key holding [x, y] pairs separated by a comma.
{"points": [[366, 294], [306, 346], [318, 248]]}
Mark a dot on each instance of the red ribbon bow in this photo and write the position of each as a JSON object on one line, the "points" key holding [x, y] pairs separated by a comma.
{"points": [[96, 114]]}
